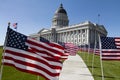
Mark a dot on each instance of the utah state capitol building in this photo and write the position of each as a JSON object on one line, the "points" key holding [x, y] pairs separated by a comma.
{"points": [[84, 33]]}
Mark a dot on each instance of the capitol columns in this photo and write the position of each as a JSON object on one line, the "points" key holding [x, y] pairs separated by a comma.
{"points": [[88, 41], [54, 35]]}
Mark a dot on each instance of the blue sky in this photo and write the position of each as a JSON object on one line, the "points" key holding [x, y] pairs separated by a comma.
{"points": [[33, 15]]}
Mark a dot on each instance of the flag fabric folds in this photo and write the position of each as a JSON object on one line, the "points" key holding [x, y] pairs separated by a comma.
{"points": [[70, 48], [31, 56], [62, 55], [110, 48]]}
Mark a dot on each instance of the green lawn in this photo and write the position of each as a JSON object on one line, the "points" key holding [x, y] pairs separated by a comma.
{"points": [[10, 73], [111, 69]]}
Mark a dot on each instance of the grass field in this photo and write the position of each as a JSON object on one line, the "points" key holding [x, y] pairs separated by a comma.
{"points": [[111, 69], [10, 73]]}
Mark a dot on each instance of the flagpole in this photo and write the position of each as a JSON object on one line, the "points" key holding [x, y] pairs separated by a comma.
{"points": [[88, 52], [89, 46], [81, 41], [100, 46], [1, 70], [38, 77], [94, 53], [93, 56], [98, 18]]}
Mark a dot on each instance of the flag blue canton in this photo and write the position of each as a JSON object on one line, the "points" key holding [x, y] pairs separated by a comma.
{"points": [[16, 40], [108, 43], [61, 43]]}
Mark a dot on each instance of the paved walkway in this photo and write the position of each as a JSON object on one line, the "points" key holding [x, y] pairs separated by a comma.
{"points": [[74, 68]]}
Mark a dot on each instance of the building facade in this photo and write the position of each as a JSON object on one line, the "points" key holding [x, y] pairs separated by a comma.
{"points": [[84, 33]]}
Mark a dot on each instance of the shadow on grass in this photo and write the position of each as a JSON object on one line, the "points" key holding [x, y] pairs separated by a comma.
{"points": [[92, 67], [104, 76], [86, 74]]}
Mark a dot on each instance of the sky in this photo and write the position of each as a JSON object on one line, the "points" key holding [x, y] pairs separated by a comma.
{"points": [[33, 15]]}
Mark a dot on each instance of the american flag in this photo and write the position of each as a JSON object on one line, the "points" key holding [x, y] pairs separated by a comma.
{"points": [[20, 53], [15, 25], [97, 51], [71, 49], [110, 48], [62, 55]]}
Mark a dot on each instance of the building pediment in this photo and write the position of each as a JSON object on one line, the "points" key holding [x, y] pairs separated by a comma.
{"points": [[43, 30]]}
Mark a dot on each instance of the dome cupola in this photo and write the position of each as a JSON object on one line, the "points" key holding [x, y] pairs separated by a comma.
{"points": [[60, 18], [61, 10]]}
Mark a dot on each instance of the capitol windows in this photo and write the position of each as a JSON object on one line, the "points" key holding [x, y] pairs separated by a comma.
{"points": [[75, 36], [79, 35], [71, 32], [83, 35], [62, 22], [79, 31], [74, 32], [75, 42], [68, 33], [55, 22], [83, 40], [83, 31], [79, 40]]}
